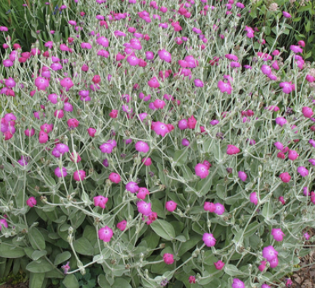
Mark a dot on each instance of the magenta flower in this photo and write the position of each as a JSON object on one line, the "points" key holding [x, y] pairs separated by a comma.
{"points": [[208, 206], [306, 236], [293, 155], [219, 265], [307, 112], [253, 198], [3, 223], [168, 258], [279, 146], [144, 208], [242, 175], [66, 268], [154, 83], [262, 266], [198, 83], [105, 234], [231, 150], [100, 201], [61, 172], [31, 202], [208, 239], [281, 121], [170, 206], [142, 193], [79, 175], [114, 177], [302, 171], [41, 83], [287, 87], [201, 170], [160, 128], [122, 225], [285, 177], [269, 253], [219, 209], [66, 83], [106, 148], [277, 234], [286, 14], [165, 55], [132, 187], [237, 283], [142, 147], [296, 49], [274, 263], [225, 87]]}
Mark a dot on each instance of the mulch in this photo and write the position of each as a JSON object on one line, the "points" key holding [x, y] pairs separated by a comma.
{"points": [[304, 278]]}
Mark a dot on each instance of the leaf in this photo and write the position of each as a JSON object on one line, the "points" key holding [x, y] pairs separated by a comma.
{"points": [[37, 279], [192, 242], [83, 246], [121, 283], [221, 191], [180, 156], [71, 281], [38, 254], [232, 270], [10, 251], [267, 210], [163, 229], [39, 266], [158, 207], [187, 174], [36, 239], [62, 257]]}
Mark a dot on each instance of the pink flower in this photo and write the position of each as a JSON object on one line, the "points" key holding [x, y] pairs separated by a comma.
{"points": [[66, 83], [142, 193], [208, 239], [170, 206], [231, 150], [286, 14], [41, 83], [253, 198], [105, 234], [31, 202], [159, 103], [219, 209], [79, 175], [192, 279], [281, 121], [114, 177], [4, 223], [307, 112], [122, 225], [61, 172], [73, 123], [262, 266], [165, 55], [66, 268], [100, 201], [154, 83], [144, 208], [274, 263], [219, 265], [277, 234], [237, 283], [302, 171], [168, 258], [43, 137], [269, 253], [146, 161], [293, 155], [142, 147], [287, 87], [242, 175], [106, 148], [208, 206], [279, 145], [225, 87], [285, 177], [91, 131], [132, 60], [306, 236], [132, 187], [201, 170], [191, 122], [159, 128]]}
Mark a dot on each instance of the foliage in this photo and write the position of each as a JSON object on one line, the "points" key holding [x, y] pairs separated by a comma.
{"points": [[157, 170], [299, 27]]}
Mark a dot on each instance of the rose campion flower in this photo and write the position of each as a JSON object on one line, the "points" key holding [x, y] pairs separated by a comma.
{"points": [[274, 263], [142, 193], [146, 161], [132, 187], [219, 209], [168, 258], [170, 206], [219, 265], [287, 87], [142, 147], [269, 253], [122, 225], [306, 236], [31, 202], [293, 155], [285, 177], [100, 201], [61, 172], [302, 171], [253, 198], [277, 234], [281, 121], [201, 170], [242, 175], [3, 223], [144, 208], [262, 266], [307, 112], [208, 206], [208, 239], [114, 177], [265, 286], [237, 283], [79, 175], [232, 150], [225, 87], [192, 279], [105, 234], [279, 145]]}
